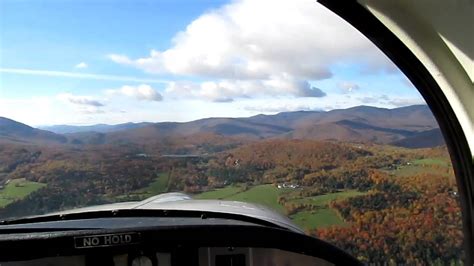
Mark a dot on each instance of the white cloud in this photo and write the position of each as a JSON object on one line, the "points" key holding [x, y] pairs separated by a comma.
{"points": [[261, 40], [81, 65], [52, 73], [399, 102], [247, 39], [348, 86], [21, 110], [52, 110], [369, 100], [80, 100], [121, 59], [91, 110], [82, 104], [392, 101], [140, 92], [277, 107], [384, 97], [228, 90]]}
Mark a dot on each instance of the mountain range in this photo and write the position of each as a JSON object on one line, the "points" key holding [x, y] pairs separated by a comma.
{"points": [[412, 126], [18, 132]]}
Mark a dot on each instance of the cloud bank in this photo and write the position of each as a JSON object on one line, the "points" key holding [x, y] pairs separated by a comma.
{"points": [[254, 43], [348, 86], [140, 92], [81, 65], [65, 74], [80, 100], [228, 90], [82, 104]]}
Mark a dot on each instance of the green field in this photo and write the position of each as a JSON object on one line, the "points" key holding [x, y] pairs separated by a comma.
{"points": [[317, 219], [323, 200], [17, 189], [408, 170], [158, 186], [221, 193], [421, 166], [262, 194], [268, 195], [323, 216]]}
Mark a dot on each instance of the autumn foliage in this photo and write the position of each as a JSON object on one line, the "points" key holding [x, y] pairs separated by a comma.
{"points": [[406, 212]]}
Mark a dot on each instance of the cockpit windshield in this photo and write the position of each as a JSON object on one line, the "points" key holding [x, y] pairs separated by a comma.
{"points": [[279, 103]]}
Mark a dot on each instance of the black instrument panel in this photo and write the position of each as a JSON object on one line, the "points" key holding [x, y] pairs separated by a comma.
{"points": [[207, 256], [162, 241]]}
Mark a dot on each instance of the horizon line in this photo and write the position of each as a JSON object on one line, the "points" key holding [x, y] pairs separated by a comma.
{"points": [[215, 117]]}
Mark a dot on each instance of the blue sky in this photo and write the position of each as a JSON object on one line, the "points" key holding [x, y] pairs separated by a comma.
{"points": [[87, 62]]}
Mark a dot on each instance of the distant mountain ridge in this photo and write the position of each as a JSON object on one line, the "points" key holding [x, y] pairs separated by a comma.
{"points": [[15, 131], [423, 139], [100, 128], [404, 126]]}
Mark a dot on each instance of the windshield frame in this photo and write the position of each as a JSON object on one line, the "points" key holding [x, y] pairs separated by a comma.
{"points": [[365, 22]]}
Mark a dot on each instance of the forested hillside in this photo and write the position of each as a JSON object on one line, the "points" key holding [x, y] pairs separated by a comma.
{"points": [[412, 126], [382, 203]]}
